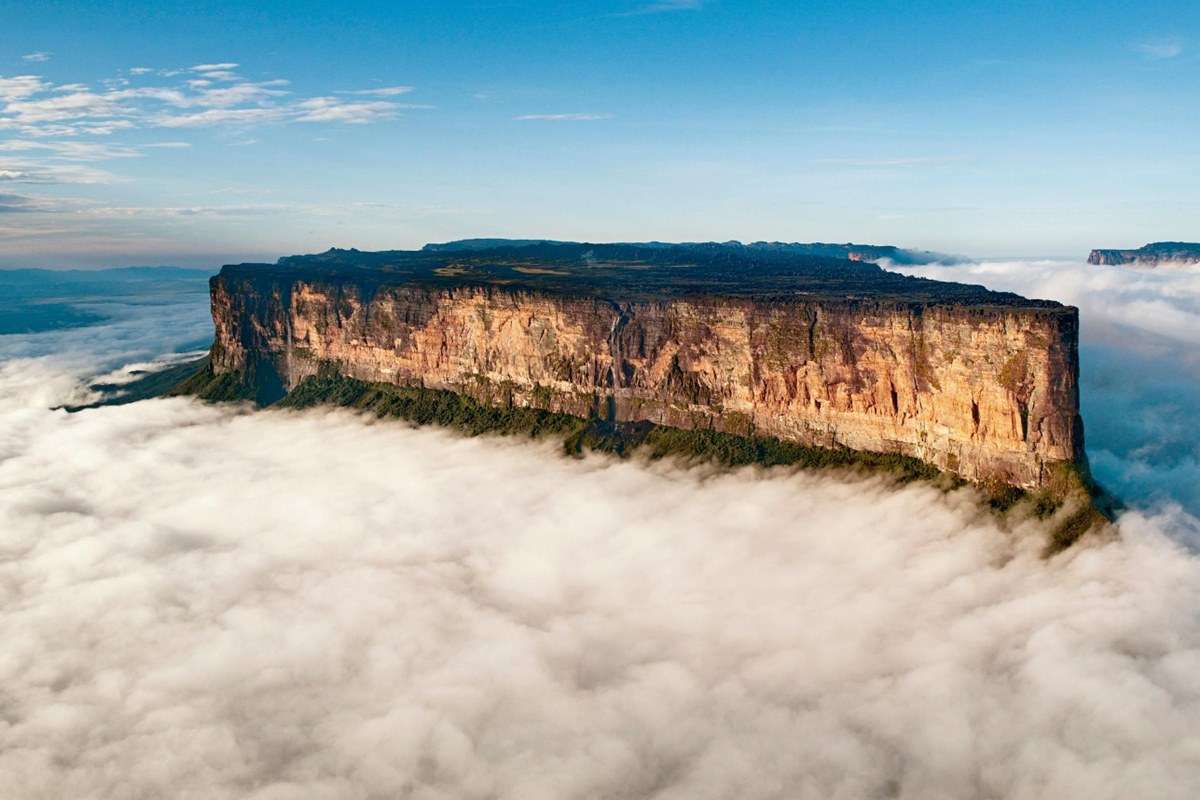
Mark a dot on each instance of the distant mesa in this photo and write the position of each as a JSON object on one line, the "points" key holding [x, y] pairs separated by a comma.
{"points": [[466, 245], [1150, 255], [859, 252], [850, 251]]}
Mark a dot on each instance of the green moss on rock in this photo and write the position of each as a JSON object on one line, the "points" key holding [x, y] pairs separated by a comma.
{"points": [[209, 385], [425, 406]]}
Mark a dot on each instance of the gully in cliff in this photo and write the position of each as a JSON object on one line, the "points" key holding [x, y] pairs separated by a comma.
{"points": [[739, 353]]}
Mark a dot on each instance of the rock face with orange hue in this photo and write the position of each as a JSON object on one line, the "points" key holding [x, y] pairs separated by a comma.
{"points": [[819, 351]]}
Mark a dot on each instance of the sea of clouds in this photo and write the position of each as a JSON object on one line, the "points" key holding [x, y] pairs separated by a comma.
{"points": [[207, 601]]}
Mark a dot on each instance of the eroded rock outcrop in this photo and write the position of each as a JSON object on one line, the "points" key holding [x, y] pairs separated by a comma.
{"points": [[817, 351]]}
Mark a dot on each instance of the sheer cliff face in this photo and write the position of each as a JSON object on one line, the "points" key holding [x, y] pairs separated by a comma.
{"points": [[987, 392]]}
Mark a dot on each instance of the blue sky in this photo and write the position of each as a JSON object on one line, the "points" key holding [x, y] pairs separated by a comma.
{"points": [[197, 133]]}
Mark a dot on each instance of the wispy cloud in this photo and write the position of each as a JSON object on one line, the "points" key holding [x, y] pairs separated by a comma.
{"points": [[331, 109], [224, 66], [74, 150], [221, 116], [239, 94], [561, 117], [21, 86], [70, 150], [1160, 49], [316, 109], [29, 113], [383, 91], [36, 108], [666, 7], [45, 126], [16, 170], [38, 57], [246, 210], [903, 161]]}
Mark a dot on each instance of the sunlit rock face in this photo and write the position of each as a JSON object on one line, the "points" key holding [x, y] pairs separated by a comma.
{"points": [[985, 387]]}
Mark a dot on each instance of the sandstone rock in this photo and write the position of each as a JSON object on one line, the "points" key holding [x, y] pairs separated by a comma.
{"points": [[980, 384]]}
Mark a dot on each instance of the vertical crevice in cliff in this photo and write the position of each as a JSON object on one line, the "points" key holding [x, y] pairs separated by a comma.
{"points": [[616, 377], [918, 354], [616, 372], [811, 314]]}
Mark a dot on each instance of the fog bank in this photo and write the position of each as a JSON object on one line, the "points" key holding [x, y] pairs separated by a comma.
{"points": [[209, 602], [205, 602]]}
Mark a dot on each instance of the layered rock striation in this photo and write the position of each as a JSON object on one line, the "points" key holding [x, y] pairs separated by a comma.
{"points": [[819, 351]]}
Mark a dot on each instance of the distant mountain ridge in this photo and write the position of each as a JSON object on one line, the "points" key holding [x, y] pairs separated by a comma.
{"points": [[1150, 254], [849, 250]]}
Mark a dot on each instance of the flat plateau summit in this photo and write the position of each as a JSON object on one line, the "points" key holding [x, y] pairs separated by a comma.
{"points": [[739, 340]]}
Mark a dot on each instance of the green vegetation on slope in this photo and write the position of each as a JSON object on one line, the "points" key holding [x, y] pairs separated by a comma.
{"points": [[428, 407], [459, 412], [150, 384], [259, 382], [207, 385]]}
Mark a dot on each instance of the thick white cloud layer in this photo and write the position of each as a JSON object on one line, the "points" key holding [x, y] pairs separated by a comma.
{"points": [[201, 601]]}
